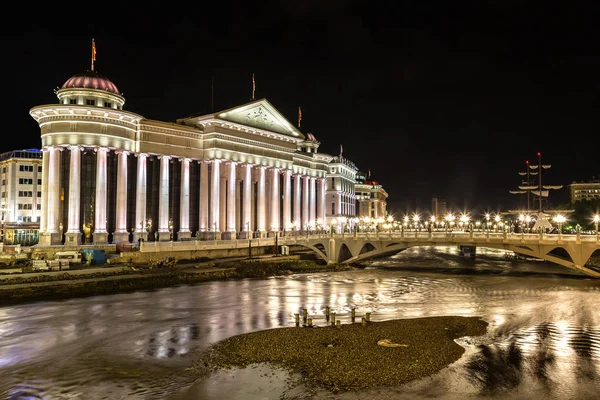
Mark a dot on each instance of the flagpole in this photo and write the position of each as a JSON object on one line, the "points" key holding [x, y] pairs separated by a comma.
{"points": [[299, 116], [253, 86], [93, 52]]}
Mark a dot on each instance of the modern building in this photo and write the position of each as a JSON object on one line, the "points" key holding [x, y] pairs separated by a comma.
{"points": [[341, 197], [585, 190], [439, 209], [20, 198], [371, 197], [111, 175]]}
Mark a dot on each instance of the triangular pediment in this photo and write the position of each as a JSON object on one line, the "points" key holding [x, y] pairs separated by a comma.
{"points": [[260, 114]]}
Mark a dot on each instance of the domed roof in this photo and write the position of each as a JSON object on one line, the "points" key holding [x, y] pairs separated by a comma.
{"points": [[90, 80]]}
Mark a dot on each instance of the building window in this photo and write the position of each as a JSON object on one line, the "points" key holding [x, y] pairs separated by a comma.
{"points": [[73, 101], [90, 102], [25, 181], [38, 207], [109, 105], [39, 181], [39, 194], [39, 168]]}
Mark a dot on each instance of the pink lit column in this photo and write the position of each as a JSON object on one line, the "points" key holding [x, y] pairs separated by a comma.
{"points": [[204, 202], [121, 235], [287, 200], [215, 193], [261, 199], [184, 201], [44, 199], [163, 199], [275, 200], [73, 233], [53, 193], [100, 233], [140, 197], [247, 206], [231, 180]]}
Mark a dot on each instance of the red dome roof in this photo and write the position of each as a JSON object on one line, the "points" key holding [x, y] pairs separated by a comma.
{"points": [[90, 80]]}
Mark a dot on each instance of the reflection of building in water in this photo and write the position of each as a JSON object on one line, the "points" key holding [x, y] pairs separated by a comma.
{"points": [[173, 342]]}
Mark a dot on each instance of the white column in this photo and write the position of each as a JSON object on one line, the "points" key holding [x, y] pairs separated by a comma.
{"points": [[313, 202], [163, 195], [297, 198], [74, 190], [140, 194], [338, 203], [204, 203], [215, 193], [53, 190], [247, 207], [305, 202], [323, 199], [287, 199], [231, 180], [275, 199], [121, 205], [101, 190], [261, 200], [44, 199], [184, 196]]}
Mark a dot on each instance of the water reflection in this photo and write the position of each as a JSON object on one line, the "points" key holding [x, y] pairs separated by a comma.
{"points": [[543, 340]]}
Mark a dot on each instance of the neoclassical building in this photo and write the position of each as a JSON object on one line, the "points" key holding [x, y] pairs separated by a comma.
{"points": [[110, 175]]}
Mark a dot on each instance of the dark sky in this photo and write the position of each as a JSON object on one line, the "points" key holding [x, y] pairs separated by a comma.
{"points": [[435, 99]]}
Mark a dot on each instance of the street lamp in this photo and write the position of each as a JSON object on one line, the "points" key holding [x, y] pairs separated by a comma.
{"points": [[560, 219], [596, 221]]}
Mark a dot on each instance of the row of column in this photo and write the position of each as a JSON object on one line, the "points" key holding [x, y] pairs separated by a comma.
{"points": [[222, 194]]}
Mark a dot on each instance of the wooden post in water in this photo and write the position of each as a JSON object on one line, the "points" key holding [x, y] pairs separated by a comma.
{"points": [[338, 324], [310, 322], [304, 316], [297, 317], [363, 321], [327, 311], [332, 318], [353, 314], [368, 317]]}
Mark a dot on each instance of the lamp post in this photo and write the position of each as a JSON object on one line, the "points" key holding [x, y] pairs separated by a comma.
{"points": [[487, 221], [497, 220], [559, 219], [596, 221]]}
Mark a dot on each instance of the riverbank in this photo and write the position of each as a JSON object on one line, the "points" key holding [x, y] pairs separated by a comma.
{"points": [[124, 278], [350, 357]]}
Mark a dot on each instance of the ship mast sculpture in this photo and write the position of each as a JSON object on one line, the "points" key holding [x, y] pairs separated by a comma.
{"points": [[539, 191]]}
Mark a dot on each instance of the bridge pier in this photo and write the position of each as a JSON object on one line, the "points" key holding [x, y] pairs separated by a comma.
{"points": [[467, 251]]}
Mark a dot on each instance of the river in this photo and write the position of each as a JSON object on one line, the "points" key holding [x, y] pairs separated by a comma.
{"points": [[543, 341]]}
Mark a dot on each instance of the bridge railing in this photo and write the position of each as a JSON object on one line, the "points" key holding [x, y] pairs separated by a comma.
{"points": [[423, 236]]}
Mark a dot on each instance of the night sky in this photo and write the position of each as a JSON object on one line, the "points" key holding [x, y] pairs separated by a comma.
{"points": [[435, 99]]}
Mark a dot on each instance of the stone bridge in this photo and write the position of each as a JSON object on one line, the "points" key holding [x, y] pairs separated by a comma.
{"points": [[571, 251]]}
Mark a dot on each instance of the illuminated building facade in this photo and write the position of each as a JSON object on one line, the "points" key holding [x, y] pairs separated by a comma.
{"points": [[438, 209], [371, 198], [341, 198], [112, 176], [20, 197], [585, 190]]}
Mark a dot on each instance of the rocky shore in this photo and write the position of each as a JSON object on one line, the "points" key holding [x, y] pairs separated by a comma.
{"points": [[352, 356]]}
